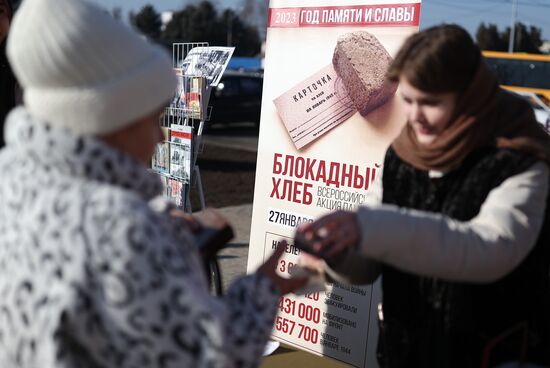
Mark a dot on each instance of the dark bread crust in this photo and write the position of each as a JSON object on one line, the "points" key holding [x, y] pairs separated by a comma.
{"points": [[362, 62]]}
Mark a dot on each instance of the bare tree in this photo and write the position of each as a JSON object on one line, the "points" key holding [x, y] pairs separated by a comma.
{"points": [[117, 13], [147, 21], [256, 13], [202, 22], [248, 9], [527, 38]]}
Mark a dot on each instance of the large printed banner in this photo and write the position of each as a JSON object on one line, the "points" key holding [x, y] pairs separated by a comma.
{"points": [[328, 116]]}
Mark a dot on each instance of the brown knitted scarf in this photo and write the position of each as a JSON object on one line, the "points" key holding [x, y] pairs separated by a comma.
{"points": [[485, 115]]}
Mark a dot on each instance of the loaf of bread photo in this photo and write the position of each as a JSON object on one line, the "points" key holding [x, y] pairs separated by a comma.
{"points": [[362, 62]]}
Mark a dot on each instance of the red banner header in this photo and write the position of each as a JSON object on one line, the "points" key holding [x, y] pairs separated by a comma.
{"points": [[390, 15], [182, 135]]}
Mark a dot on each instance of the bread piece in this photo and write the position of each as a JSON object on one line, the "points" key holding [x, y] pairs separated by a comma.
{"points": [[362, 62]]}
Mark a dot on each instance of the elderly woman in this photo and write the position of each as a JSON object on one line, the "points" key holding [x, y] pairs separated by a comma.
{"points": [[8, 95], [91, 275], [461, 239]]}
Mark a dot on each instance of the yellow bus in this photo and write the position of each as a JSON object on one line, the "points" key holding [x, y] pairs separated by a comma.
{"points": [[521, 71], [525, 74]]}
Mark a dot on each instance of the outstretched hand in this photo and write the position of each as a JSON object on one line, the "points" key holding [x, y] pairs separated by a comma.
{"points": [[333, 234], [189, 220], [269, 269]]}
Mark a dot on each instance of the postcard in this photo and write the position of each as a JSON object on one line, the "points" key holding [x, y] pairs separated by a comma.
{"points": [[314, 106], [208, 62], [180, 152]]}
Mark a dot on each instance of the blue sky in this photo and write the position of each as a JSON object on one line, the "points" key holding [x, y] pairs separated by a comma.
{"points": [[468, 13]]}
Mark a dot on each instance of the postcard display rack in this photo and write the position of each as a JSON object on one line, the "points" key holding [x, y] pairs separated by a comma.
{"points": [[198, 68], [182, 123]]}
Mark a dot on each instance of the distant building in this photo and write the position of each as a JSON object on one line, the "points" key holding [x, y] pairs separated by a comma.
{"points": [[545, 48]]}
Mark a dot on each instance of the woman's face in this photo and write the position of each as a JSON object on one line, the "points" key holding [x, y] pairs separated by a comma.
{"points": [[428, 114], [4, 20], [139, 138]]}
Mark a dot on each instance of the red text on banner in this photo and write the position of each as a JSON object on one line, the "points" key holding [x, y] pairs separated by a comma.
{"points": [[333, 16]]}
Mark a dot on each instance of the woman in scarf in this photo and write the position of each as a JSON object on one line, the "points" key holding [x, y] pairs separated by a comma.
{"points": [[461, 239]]}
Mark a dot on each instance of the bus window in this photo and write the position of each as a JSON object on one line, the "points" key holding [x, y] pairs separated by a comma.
{"points": [[524, 73], [521, 72]]}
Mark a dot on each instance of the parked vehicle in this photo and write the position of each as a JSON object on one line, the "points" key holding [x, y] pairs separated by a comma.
{"points": [[237, 98], [539, 105], [528, 75], [518, 71]]}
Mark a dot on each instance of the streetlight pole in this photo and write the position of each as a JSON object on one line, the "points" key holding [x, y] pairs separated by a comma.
{"points": [[513, 26]]}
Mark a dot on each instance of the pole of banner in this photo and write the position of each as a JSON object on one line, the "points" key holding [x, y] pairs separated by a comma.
{"points": [[513, 26]]}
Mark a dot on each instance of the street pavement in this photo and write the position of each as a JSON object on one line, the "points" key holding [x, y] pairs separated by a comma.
{"points": [[233, 260], [241, 136], [241, 143]]}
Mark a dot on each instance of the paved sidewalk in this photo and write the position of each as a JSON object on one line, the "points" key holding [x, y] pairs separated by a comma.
{"points": [[249, 144], [234, 257], [233, 261]]}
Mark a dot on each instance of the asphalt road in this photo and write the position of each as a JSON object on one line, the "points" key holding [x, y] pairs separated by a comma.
{"points": [[241, 136]]}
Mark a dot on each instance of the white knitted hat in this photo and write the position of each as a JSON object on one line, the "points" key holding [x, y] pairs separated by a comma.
{"points": [[84, 70]]}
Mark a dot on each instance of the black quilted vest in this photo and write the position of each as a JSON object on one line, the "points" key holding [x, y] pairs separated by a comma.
{"points": [[434, 323]]}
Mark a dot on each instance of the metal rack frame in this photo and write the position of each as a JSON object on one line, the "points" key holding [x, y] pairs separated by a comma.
{"points": [[189, 117]]}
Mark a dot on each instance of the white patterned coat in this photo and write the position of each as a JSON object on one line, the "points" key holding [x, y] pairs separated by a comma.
{"points": [[92, 276]]}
